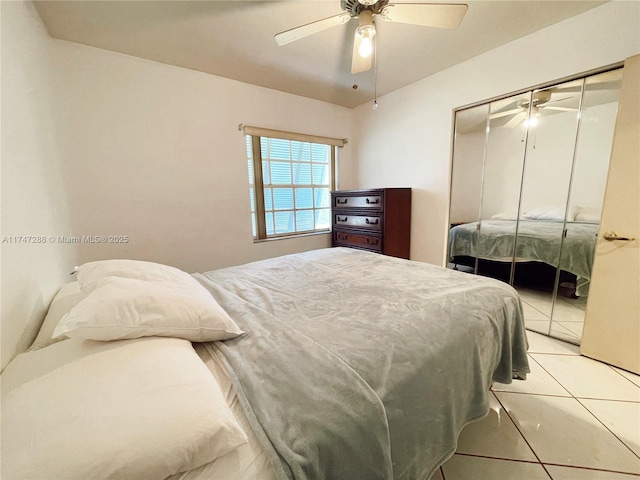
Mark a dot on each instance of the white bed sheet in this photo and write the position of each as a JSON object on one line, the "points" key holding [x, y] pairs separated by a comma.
{"points": [[247, 462]]}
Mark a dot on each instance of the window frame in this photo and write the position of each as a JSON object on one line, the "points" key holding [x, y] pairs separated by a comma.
{"points": [[258, 207]]}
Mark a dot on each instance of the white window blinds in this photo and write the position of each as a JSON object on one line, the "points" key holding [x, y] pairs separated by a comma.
{"points": [[295, 178]]}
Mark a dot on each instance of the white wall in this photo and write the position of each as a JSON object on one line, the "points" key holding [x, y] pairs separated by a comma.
{"points": [[99, 143], [34, 200], [466, 189], [548, 165], [407, 141], [153, 152], [594, 145], [503, 171]]}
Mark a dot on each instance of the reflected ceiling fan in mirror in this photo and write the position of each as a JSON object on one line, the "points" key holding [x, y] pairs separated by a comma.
{"points": [[542, 100], [438, 15]]}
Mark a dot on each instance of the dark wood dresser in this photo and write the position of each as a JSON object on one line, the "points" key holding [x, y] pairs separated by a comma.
{"points": [[378, 220]]}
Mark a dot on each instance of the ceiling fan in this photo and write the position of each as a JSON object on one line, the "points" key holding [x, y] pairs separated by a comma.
{"points": [[541, 100], [439, 15]]}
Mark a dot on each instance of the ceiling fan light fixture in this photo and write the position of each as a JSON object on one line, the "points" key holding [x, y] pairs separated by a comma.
{"points": [[366, 34], [437, 15]]}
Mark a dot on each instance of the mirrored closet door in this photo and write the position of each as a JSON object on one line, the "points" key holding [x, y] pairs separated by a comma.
{"points": [[528, 178]]}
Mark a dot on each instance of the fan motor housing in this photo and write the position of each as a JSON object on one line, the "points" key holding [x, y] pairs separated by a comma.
{"points": [[539, 97], [354, 7]]}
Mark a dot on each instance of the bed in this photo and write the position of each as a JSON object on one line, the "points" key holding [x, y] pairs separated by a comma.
{"points": [[538, 241], [338, 363]]}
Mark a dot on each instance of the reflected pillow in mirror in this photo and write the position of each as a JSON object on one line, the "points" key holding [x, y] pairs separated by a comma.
{"points": [[556, 213], [590, 215], [505, 216]]}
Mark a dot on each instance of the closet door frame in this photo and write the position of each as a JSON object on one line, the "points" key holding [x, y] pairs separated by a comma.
{"points": [[567, 203]]}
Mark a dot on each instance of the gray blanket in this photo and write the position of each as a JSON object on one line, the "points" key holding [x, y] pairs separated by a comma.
{"points": [[355, 365], [538, 240]]}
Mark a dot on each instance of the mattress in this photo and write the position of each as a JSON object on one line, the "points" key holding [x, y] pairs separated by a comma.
{"points": [[359, 365], [351, 365]]}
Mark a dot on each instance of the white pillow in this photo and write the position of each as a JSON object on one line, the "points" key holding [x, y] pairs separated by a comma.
{"points": [[90, 273], [67, 297], [551, 213], [122, 308], [588, 215], [505, 216], [143, 409]]}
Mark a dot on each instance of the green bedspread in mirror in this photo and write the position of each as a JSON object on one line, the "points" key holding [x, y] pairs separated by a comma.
{"points": [[537, 240]]}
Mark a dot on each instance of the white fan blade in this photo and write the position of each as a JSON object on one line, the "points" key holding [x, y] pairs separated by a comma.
{"points": [[562, 109], [505, 113], [358, 62], [302, 31], [439, 15], [515, 120], [555, 101]]}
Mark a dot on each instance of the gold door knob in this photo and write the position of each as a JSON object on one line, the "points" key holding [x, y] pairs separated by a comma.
{"points": [[611, 236]]}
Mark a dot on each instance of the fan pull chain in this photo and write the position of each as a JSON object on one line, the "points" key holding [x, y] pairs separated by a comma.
{"points": [[375, 74]]}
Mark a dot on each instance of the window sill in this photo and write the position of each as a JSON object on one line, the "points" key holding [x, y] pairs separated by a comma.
{"points": [[289, 237]]}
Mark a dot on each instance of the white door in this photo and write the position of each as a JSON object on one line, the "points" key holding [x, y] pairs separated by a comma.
{"points": [[612, 323]]}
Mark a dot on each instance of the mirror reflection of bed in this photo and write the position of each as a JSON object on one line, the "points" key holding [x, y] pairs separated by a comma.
{"points": [[528, 183]]}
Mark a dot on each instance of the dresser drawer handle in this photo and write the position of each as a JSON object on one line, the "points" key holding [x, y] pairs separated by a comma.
{"points": [[373, 202], [341, 202], [374, 241], [341, 220], [374, 222], [343, 236]]}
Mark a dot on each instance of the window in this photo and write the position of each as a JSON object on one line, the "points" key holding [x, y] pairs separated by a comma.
{"points": [[295, 174]]}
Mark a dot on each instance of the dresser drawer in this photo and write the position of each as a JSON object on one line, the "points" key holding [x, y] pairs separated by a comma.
{"points": [[375, 219], [373, 202], [349, 239], [372, 222]]}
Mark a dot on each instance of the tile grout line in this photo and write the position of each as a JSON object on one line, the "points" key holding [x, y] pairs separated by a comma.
{"points": [[590, 398], [623, 376], [605, 425], [537, 310], [592, 469], [529, 352], [530, 462], [567, 331], [577, 399], [523, 436], [491, 457], [569, 395], [546, 471], [543, 464], [558, 381], [565, 396], [548, 335], [551, 463], [518, 429], [559, 354]]}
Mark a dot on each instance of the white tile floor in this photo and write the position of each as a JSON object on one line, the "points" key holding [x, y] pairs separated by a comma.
{"points": [[573, 419], [568, 314]]}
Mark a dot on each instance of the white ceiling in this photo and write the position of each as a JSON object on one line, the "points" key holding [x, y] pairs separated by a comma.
{"points": [[234, 39]]}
